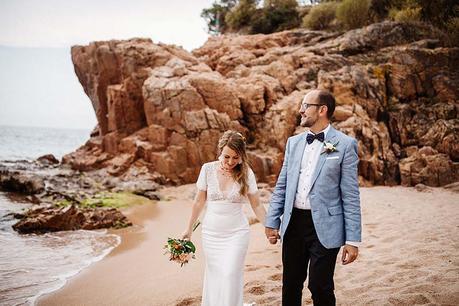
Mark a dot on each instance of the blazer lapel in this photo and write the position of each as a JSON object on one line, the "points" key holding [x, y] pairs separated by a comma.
{"points": [[297, 156], [331, 137]]}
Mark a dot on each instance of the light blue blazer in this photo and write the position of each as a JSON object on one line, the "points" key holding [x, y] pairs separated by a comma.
{"points": [[334, 195]]}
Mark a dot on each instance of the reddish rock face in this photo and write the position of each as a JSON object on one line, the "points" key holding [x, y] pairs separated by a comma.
{"points": [[162, 109], [43, 219]]}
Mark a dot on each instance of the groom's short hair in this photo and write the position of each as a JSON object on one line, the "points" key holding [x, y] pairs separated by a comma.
{"points": [[326, 98]]}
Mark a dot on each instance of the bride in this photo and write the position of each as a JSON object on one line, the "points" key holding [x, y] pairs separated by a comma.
{"points": [[225, 185]]}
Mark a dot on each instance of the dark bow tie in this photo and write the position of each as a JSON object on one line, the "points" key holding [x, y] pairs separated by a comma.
{"points": [[310, 137]]}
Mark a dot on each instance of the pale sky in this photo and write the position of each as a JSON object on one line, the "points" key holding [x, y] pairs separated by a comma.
{"points": [[62, 23], [39, 86]]}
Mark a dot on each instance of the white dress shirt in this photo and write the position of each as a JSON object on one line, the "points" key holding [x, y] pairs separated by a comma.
{"points": [[308, 166]]}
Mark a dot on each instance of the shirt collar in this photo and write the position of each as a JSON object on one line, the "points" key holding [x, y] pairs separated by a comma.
{"points": [[325, 131]]}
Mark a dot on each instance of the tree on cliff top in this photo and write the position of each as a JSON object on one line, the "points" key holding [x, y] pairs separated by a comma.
{"points": [[278, 15], [215, 15], [246, 16], [239, 18]]}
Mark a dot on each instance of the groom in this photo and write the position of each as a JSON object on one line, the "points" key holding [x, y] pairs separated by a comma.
{"points": [[317, 196]]}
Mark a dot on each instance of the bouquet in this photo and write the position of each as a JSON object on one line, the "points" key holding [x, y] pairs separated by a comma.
{"points": [[181, 250]]}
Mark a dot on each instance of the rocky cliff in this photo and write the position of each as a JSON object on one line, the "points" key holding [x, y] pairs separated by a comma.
{"points": [[161, 109]]}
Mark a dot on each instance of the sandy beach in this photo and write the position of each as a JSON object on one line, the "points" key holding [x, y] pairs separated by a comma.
{"points": [[409, 256]]}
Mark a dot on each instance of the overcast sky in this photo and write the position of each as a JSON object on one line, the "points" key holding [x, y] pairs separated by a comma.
{"points": [[60, 23], [39, 87]]}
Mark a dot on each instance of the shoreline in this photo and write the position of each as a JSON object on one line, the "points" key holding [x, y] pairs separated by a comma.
{"points": [[137, 241], [409, 255], [61, 254], [65, 278]]}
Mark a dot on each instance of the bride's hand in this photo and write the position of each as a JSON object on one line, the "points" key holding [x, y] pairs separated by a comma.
{"points": [[186, 235]]}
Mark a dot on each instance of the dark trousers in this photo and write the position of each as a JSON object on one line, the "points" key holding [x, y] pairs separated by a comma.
{"points": [[301, 246]]}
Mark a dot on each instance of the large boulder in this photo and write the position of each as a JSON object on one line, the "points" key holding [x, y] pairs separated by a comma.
{"points": [[163, 109], [20, 181], [428, 166], [45, 219]]}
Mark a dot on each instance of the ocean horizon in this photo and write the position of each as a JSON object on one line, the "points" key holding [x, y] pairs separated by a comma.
{"points": [[30, 142]]}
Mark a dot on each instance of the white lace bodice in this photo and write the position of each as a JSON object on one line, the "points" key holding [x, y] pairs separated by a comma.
{"points": [[208, 181]]}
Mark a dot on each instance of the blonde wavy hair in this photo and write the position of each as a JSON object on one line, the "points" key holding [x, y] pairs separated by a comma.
{"points": [[236, 142]]}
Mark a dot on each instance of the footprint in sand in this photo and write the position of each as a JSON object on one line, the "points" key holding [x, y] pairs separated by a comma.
{"points": [[257, 290], [370, 226], [250, 268], [307, 301], [415, 289], [189, 302], [408, 266], [409, 299], [390, 239], [276, 277], [269, 301]]}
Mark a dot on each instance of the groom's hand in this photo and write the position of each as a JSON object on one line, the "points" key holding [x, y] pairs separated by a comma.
{"points": [[350, 253], [272, 235]]}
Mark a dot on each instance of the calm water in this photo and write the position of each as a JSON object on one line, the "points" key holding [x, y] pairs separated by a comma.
{"points": [[31, 265], [31, 142]]}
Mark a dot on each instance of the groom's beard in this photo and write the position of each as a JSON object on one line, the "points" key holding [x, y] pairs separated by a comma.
{"points": [[308, 122]]}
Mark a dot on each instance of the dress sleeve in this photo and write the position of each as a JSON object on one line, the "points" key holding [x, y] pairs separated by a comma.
{"points": [[201, 184], [252, 182]]}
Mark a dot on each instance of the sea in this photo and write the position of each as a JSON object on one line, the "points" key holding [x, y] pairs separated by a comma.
{"points": [[32, 265]]}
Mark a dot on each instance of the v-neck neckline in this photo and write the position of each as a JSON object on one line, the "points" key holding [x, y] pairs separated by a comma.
{"points": [[218, 183]]}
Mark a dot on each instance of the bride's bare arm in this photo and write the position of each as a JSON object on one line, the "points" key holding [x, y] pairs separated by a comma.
{"points": [[198, 204], [257, 207]]}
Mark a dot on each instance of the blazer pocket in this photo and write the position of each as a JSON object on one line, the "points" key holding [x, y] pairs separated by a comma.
{"points": [[333, 157], [335, 210]]}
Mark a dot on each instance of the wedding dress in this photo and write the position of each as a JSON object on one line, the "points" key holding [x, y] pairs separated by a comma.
{"points": [[225, 238]]}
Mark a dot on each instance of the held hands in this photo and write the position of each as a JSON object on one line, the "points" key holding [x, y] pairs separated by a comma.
{"points": [[350, 254], [272, 235]]}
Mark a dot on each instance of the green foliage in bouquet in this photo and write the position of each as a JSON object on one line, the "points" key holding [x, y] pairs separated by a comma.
{"points": [[181, 250]]}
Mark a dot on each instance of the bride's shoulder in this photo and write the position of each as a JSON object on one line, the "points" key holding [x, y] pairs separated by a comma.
{"points": [[250, 172], [209, 165]]}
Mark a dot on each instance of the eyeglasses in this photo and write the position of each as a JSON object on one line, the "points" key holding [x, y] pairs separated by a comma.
{"points": [[307, 105]]}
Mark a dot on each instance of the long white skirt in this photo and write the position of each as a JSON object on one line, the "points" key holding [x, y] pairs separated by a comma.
{"points": [[225, 238]]}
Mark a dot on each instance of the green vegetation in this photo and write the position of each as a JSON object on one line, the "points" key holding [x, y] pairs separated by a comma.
{"points": [[108, 200], [247, 16], [277, 15], [215, 15], [241, 15], [320, 16], [353, 13], [251, 17], [409, 14], [119, 224], [63, 203]]}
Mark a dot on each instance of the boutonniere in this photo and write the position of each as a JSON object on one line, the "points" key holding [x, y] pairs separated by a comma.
{"points": [[329, 147]]}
